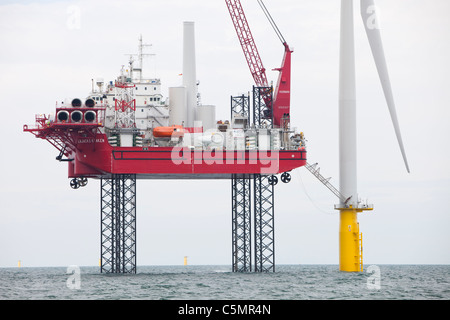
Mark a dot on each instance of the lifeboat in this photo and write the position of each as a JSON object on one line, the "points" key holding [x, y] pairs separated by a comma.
{"points": [[167, 132]]}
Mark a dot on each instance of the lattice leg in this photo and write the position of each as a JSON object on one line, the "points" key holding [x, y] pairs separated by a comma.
{"points": [[264, 224], [118, 224], [241, 224]]}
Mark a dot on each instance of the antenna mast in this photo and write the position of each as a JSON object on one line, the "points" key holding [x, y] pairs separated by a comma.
{"points": [[140, 57]]}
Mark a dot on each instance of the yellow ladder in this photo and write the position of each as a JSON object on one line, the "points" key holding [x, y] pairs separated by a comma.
{"points": [[360, 252]]}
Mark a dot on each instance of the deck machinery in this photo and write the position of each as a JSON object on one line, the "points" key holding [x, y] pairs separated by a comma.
{"points": [[125, 131]]}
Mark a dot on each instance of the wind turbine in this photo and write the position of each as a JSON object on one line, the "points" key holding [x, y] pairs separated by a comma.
{"points": [[350, 239]]}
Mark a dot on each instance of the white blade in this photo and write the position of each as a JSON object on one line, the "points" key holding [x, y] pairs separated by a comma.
{"points": [[370, 21]]}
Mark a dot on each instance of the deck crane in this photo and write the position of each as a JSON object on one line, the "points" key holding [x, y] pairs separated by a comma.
{"points": [[279, 108]]}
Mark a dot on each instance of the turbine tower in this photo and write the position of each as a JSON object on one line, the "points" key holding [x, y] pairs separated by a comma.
{"points": [[350, 239]]}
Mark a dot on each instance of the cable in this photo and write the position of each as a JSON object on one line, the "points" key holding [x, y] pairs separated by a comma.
{"points": [[310, 199], [272, 22]]}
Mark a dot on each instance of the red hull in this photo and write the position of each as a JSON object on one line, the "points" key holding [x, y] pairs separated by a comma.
{"points": [[100, 159], [90, 155]]}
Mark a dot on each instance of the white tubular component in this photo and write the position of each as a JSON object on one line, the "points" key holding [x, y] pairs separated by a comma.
{"points": [[207, 115], [189, 71], [76, 116], [90, 116], [62, 116], [177, 106], [347, 106]]}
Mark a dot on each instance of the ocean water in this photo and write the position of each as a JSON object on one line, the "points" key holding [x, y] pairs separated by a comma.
{"points": [[289, 282]]}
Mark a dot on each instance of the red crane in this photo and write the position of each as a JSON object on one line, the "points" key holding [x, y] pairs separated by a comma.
{"points": [[282, 95]]}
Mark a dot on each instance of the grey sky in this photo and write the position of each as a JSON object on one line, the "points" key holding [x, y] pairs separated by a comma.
{"points": [[47, 56]]}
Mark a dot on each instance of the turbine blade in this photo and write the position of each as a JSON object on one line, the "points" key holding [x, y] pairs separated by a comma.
{"points": [[371, 24]]}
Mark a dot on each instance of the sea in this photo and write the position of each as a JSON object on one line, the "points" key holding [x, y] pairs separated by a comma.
{"points": [[288, 282]]}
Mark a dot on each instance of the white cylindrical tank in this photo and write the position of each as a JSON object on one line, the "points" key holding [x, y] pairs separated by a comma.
{"points": [[177, 106], [207, 115], [189, 71]]}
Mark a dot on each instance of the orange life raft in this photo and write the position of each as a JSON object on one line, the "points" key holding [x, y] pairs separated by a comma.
{"points": [[167, 132]]}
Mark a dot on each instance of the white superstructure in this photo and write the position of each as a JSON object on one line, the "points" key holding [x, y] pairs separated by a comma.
{"points": [[152, 109]]}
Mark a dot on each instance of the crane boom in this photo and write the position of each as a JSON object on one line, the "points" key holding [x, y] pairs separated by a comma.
{"points": [[280, 106], [247, 42]]}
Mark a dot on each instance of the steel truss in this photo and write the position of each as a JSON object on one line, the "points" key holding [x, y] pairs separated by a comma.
{"points": [[118, 224], [241, 224], [247, 41], [263, 198], [125, 105], [262, 106], [262, 235], [241, 105], [264, 224]]}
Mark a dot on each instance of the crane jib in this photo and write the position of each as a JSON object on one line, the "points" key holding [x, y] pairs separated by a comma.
{"points": [[279, 102]]}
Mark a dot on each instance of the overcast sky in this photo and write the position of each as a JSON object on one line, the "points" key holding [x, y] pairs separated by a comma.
{"points": [[50, 50]]}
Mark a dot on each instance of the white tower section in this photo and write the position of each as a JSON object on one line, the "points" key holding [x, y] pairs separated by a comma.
{"points": [[189, 71], [177, 106], [347, 107]]}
